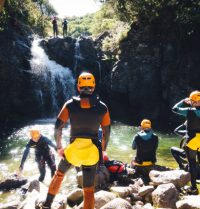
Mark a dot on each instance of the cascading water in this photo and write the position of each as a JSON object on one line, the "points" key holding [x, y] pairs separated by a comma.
{"points": [[53, 84], [76, 56]]}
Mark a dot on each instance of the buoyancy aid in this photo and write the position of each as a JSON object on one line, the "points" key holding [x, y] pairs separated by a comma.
{"points": [[146, 149], [193, 122], [85, 122]]}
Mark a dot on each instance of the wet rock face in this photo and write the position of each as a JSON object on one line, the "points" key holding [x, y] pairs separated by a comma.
{"points": [[78, 55], [155, 70], [15, 86], [61, 50]]}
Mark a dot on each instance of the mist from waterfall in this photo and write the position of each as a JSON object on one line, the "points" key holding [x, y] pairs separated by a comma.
{"points": [[53, 84]]}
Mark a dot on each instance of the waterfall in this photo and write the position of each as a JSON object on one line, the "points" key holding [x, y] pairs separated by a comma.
{"points": [[77, 56], [52, 83]]}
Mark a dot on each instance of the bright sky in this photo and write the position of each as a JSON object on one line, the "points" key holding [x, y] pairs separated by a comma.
{"points": [[75, 7]]}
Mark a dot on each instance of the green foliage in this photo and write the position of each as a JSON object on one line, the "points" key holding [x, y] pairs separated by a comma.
{"points": [[80, 26], [186, 12], [21, 14]]}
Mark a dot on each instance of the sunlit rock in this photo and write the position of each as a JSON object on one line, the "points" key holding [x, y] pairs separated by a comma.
{"points": [[165, 195]]}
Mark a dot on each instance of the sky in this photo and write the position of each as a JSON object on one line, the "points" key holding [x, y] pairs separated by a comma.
{"points": [[75, 7]]}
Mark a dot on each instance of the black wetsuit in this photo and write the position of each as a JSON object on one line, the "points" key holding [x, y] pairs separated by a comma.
{"points": [[43, 155], [145, 143]]}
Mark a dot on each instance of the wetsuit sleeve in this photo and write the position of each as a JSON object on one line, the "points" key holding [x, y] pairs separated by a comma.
{"points": [[105, 125], [62, 119], [64, 114], [50, 143], [134, 143], [179, 109], [24, 157], [106, 119], [180, 130]]}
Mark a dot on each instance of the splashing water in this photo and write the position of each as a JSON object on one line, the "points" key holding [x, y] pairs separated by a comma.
{"points": [[53, 83]]}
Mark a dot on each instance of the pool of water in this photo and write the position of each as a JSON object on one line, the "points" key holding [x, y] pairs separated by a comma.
{"points": [[119, 148]]}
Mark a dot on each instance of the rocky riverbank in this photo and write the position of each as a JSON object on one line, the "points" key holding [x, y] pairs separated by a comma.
{"points": [[167, 189]]}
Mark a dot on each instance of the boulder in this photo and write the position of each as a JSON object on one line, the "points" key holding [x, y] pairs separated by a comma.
{"points": [[189, 202], [12, 182], [103, 197], [178, 177], [145, 190], [75, 197], [148, 206], [121, 191], [165, 195], [117, 203]]}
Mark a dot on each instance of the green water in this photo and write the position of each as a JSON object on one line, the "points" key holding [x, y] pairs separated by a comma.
{"points": [[119, 148]]}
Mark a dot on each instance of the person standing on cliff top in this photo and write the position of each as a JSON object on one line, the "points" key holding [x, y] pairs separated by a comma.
{"points": [[55, 27]]}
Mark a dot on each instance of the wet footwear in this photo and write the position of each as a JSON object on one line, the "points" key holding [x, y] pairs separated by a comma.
{"points": [[193, 191], [41, 205]]}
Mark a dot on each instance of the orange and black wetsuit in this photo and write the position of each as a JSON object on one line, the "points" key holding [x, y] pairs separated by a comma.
{"points": [[85, 115]]}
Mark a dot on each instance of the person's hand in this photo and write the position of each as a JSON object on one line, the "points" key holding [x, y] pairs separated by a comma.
{"points": [[104, 156], [187, 101], [19, 171], [61, 152]]}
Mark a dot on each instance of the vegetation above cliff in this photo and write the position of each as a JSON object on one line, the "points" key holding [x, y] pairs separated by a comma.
{"points": [[27, 14], [186, 13]]}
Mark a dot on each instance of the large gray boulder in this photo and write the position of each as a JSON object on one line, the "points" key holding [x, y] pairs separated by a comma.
{"points": [[189, 202], [12, 182], [178, 177], [165, 195], [75, 197], [103, 197], [117, 203]]}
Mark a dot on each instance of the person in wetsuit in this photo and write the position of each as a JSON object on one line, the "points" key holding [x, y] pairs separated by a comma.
{"points": [[64, 25], [43, 153], [55, 27], [145, 142], [192, 114], [86, 114]]}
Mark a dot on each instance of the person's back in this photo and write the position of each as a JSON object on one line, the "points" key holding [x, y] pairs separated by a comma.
{"points": [[145, 142], [65, 24]]}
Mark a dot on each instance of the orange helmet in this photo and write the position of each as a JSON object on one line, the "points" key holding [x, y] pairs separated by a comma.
{"points": [[85, 80], [35, 134], [195, 96], [145, 124]]}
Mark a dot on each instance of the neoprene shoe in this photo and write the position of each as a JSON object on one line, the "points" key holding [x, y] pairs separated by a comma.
{"points": [[41, 205], [193, 191]]}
